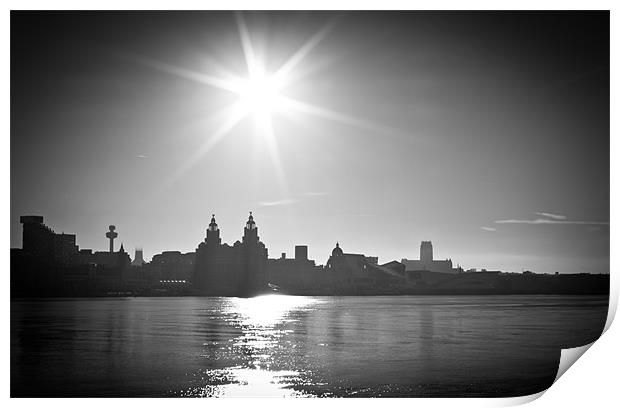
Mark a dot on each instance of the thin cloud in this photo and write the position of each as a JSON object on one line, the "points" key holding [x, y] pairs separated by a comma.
{"points": [[141, 156], [551, 215], [538, 221], [286, 201], [490, 229]]}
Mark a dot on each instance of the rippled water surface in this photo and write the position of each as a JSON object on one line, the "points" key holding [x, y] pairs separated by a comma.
{"points": [[296, 346]]}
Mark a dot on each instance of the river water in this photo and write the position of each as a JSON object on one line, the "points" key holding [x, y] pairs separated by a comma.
{"points": [[451, 346]]}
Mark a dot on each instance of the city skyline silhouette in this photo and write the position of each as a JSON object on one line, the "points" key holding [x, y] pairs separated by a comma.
{"points": [[50, 264], [425, 250]]}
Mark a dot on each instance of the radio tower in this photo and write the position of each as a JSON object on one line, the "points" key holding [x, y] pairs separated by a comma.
{"points": [[111, 234]]}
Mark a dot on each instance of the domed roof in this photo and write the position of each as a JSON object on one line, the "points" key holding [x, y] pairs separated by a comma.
{"points": [[337, 251]]}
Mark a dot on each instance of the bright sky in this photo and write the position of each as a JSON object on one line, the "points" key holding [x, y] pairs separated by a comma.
{"points": [[485, 133]]}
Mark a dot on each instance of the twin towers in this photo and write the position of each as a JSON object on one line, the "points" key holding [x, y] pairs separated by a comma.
{"points": [[225, 270]]}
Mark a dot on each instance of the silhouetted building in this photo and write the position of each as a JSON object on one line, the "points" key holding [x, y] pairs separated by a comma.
{"points": [[51, 264], [35, 268], [65, 250], [426, 252], [297, 275], [301, 252], [252, 255], [395, 266], [85, 256], [373, 260], [213, 270], [223, 270], [138, 258], [100, 258], [359, 274], [37, 238], [426, 261], [172, 266]]}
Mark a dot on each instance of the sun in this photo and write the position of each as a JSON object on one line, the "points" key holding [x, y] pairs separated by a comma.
{"points": [[259, 94]]}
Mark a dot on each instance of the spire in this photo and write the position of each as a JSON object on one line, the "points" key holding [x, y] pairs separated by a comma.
{"points": [[122, 249], [250, 224], [213, 225], [213, 232]]}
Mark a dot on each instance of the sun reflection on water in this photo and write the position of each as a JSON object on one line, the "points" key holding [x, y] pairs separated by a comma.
{"points": [[264, 321], [265, 311], [244, 382]]}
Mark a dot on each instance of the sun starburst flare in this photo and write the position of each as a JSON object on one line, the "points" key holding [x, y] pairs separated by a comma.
{"points": [[261, 95]]}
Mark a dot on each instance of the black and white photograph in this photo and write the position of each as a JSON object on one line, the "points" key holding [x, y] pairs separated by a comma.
{"points": [[306, 203]]}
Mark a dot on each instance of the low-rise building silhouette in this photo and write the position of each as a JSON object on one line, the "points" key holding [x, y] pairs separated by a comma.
{"points": [[295, 275], [172, 266], [360, 274]]}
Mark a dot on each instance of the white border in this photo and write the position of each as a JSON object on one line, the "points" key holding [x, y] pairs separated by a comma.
{"points": [[591, 382]]}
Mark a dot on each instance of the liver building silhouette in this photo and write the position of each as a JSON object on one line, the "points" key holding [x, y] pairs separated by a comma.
{"points": [[224, 270]]}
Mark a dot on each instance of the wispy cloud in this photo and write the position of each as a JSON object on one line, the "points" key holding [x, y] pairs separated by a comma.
{"points": [[551, 221], [551, 215], [289, 201], [285, 201], [141, 156], [490, 229]]}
